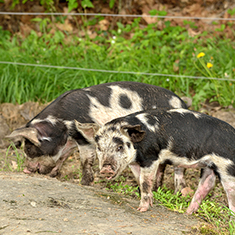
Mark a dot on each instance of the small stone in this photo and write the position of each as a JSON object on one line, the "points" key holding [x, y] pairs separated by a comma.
{"points": [[187, 191], [33, 204]]}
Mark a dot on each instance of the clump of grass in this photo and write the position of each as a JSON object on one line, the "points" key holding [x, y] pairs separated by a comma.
{"points": [[211, 211], [123, 189], [13, 155], [171, 200]]}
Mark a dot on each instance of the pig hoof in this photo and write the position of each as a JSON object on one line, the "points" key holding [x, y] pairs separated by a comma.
{"points": [[142, 209], [189, 212], [26, 171], [53, 174]]}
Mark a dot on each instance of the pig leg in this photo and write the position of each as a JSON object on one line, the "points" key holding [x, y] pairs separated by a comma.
{"points": [[135, 168], [159, 177], [229, 187], [207, 182], [179, 179], [66, 152], [147, 177], [87, 156]]}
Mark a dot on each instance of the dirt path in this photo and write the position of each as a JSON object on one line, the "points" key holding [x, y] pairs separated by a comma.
{"points": [[41, 205]]}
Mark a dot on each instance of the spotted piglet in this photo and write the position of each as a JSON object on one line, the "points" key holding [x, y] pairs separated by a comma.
{"points": [[51, 136], [180, 137]]}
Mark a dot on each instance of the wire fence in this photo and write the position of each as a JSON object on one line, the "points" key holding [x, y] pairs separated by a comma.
{"points": [[115, 15], [113, 71]]}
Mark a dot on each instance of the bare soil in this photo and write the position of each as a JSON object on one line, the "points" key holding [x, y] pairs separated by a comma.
{"points": [[39, 204]]}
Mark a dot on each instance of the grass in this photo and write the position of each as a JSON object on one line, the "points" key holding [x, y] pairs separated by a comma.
{"points": [[13, 159], [169, 51]]}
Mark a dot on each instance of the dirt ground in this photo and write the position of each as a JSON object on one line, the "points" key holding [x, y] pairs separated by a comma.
{"points": [[39, 204]]}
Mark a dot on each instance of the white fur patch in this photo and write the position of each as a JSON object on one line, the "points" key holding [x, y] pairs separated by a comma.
{"points": [[142, 117], [45, 138], [36, 121], [68, 124], [183, 111], [50, 119], [175, 102], [102, 114]]}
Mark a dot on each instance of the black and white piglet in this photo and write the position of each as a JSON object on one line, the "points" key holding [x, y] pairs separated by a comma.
{"points": [[180, 137], [51, 136]]}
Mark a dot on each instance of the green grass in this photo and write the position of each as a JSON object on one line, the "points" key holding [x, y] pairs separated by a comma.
{"points": [[170, 51], [211, 211], [13, 160]]}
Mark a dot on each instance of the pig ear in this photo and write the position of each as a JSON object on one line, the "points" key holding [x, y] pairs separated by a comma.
{"points": [[88, 130], [135, 132], [29, 133]]}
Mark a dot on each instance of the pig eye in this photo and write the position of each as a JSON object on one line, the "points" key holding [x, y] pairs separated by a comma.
{"points": [[119, 148]]}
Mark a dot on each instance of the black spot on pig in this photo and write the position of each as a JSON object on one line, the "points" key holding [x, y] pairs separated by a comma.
{"points": [[168, 162], [102, 94], [112, 128], [81, 140], [151, 120], [32, 150], [117, 140], [231, 169], [145, 186], [124, 101], [97, 137]]}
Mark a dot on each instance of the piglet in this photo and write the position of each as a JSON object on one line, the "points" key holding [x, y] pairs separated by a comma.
{"points": [[186, 139], [51, 136]]}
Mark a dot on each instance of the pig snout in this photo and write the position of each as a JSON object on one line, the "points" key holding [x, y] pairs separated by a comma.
{"points": [[107, 171], [31, 168]]}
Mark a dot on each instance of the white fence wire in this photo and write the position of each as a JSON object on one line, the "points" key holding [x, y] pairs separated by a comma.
{"points": [[113, 71], [115, 15]]}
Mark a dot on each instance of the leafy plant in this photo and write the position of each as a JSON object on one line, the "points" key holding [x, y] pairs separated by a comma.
{"points": [[43, 23], [111, 3], [87, 4], [72, 4], [231, 11]]}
